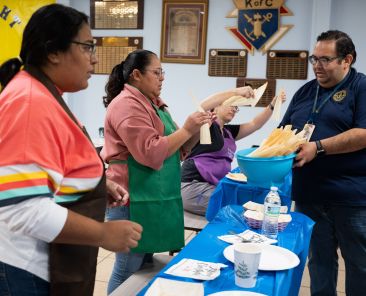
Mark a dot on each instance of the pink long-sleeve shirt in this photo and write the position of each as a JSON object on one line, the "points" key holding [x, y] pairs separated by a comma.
{"points": [[132, 126]]}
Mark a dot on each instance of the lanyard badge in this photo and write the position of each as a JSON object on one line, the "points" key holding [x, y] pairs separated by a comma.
{"points": [[309, 129]]}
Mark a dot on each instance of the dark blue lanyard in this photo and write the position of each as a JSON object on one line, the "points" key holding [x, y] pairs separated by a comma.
{"points": [[315, 111]]}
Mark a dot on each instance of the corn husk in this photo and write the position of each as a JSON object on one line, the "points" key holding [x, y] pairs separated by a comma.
{"points": [[205, 135], [276, 115], [282, 141], [243, 101]]}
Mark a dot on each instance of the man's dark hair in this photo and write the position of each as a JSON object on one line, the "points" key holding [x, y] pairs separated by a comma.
{"points": [[344, 43]]}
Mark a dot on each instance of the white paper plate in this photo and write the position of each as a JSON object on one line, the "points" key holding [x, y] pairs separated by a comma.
{"points": [[239, 177], [272, 257], [236, 293], [162, 286]]}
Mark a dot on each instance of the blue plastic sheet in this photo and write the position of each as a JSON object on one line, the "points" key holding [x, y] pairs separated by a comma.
{"points": [[230, 192], [207, 247]]}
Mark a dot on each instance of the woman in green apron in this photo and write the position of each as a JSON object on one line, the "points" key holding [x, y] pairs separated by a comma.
{"points": [[143, 147]]}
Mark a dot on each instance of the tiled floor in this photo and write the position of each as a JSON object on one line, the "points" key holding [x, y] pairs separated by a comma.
{"points": [[305, 284], [106, 259]]}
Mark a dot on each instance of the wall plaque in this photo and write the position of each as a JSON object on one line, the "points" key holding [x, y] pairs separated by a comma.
{"points": [[287, 64], [119, 14], [113, 50], [228, 62]]}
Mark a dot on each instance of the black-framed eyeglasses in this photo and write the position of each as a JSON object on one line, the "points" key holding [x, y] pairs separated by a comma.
{"points": [[158, 72], [87, 47], [324, 61]]}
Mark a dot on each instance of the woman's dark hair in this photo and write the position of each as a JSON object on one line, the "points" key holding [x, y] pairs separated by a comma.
{"points": [[50, 29], [138, 59], [344, 43]]}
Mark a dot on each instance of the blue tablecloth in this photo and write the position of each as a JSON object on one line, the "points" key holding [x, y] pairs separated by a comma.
{"points": [[230, 192], [207, 247]]}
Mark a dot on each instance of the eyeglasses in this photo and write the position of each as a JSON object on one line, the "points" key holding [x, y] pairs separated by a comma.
{"points": [[87, 47], [324, 61], [235, 108], [158, 72]]}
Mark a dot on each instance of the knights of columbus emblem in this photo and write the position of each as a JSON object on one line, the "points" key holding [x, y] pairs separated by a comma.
{"points": [[259, 23]]}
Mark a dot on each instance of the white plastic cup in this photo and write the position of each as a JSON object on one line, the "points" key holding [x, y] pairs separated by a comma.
{"points": [[246, 262]]}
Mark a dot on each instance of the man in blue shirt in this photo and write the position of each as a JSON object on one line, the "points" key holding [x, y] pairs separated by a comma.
{"points": [[329, 176]]}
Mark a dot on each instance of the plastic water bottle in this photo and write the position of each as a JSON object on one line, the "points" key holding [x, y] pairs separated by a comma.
{"points": [[272, 206]]}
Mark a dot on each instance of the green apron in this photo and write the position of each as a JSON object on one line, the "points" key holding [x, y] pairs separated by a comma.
{"points": [[155, 200]]}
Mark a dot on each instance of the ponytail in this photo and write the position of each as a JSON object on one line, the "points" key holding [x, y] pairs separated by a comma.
{"points": [[115, 84], [8, 70], [138, 59]]}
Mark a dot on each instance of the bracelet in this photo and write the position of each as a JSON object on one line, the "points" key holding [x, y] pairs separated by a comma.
{"points": [[271, 106]]}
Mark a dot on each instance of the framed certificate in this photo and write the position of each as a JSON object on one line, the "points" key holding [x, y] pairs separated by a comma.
{"points": [[184, 30]]}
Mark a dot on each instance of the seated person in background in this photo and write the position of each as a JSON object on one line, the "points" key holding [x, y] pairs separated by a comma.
{"points": [[206, 165]]}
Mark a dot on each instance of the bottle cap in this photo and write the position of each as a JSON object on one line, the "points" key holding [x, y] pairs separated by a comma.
{"points": [[274, 188]]}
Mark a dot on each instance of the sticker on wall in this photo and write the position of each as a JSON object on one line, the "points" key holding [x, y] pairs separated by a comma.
{"points": [[258, 24]]}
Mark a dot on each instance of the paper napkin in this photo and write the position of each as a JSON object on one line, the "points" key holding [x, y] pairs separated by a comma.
{"points": [[249, 236], [195, 269]]}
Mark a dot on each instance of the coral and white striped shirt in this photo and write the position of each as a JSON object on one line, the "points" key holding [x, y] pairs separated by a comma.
{"points": [[44, 158]]}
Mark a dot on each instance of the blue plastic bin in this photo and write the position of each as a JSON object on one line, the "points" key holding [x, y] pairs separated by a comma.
{"points": [[264, 171]]}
